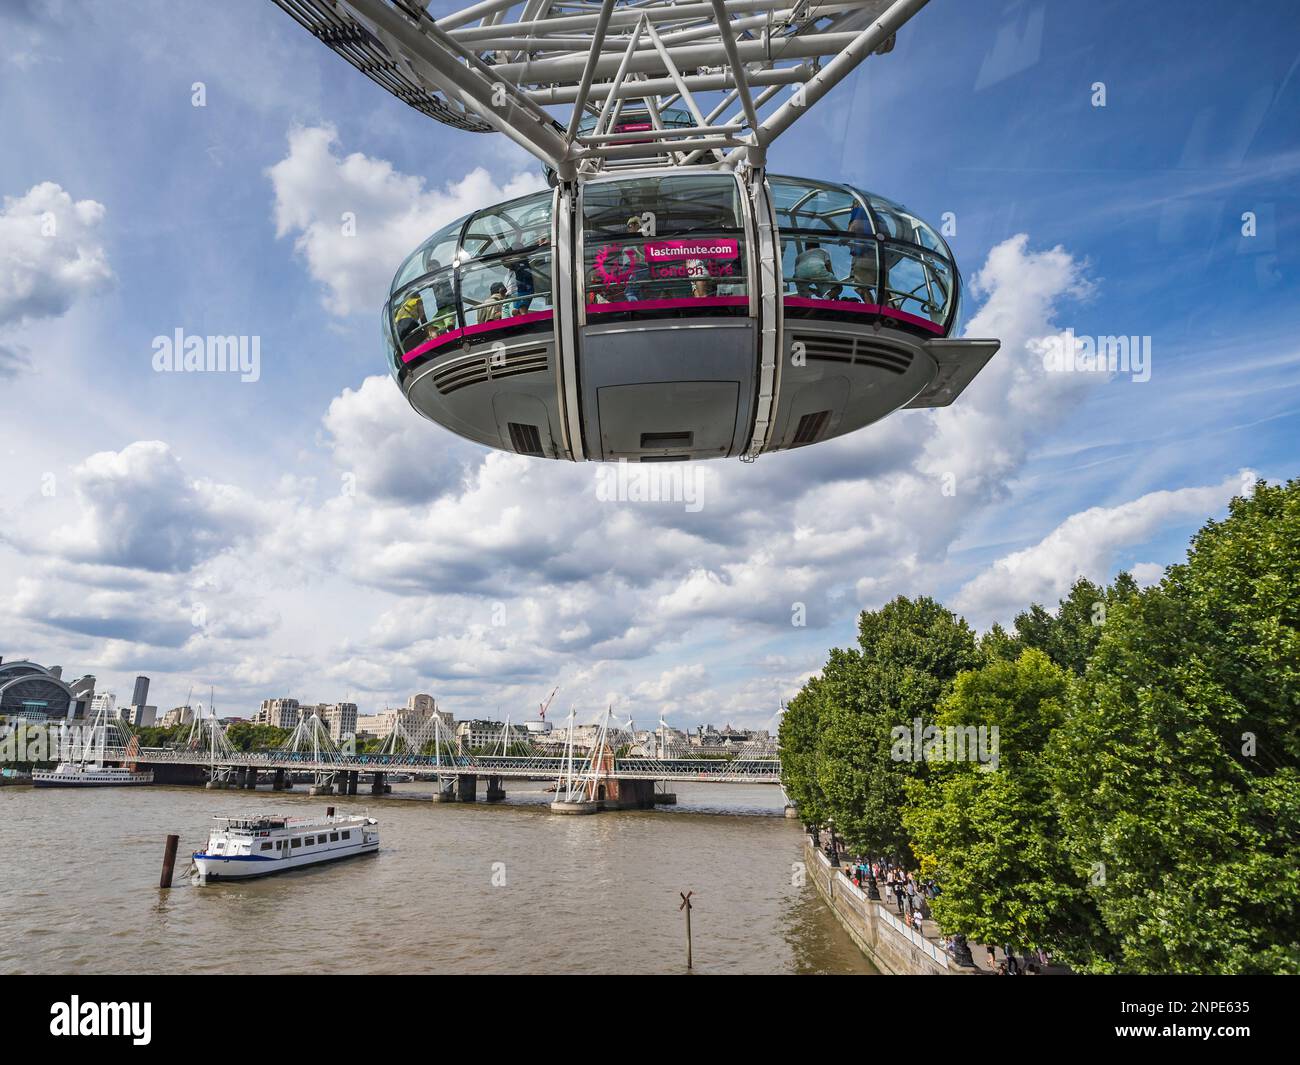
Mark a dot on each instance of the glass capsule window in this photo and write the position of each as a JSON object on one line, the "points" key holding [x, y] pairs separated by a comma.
{"points": [[810, 206], [830, 267], [486, 268], [916, 282], [664, 239], [506, 262], [519, 226], [436, 252], [425, 310], [897, 221], [860, 251], [634, 117], [504, 289]]}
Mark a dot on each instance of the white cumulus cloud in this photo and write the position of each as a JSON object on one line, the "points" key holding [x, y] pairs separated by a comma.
{"points": [[1085, 544], [50, 253], [354, 218], [138, 509]]}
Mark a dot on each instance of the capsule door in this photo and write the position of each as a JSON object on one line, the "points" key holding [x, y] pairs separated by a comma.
{"points": [[666, 316]]}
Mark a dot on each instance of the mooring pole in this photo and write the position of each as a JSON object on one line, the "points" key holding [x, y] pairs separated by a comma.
{"points": [[686, 905], [169, 862], [329, 811]]}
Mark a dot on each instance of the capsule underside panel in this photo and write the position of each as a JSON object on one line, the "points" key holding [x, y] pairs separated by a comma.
{"points": [[679, 390]]}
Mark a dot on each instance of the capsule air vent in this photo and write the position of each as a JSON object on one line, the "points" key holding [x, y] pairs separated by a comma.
{"points": [[526, 440], [810, 428], [474, 371], [667, 440], [859, 351]]}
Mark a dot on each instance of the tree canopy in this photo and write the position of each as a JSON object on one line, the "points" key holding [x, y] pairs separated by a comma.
{"points": [[1144, 812]]}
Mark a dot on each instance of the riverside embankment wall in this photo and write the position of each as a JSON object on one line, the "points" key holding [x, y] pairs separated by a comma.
{"points": [[892, 947]]}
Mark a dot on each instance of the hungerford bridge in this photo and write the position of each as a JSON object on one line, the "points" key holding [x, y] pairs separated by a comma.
{"points": [[601, 777]]}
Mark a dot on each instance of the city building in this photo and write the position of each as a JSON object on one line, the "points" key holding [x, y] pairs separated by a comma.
{"points": [[479, 735], [34, 693], [376, 726], [83, 694], [140, 696], [414, 719], [105, 703], [340, 719], [282, 713], [422, 704], [138, 716], [177, 715]]}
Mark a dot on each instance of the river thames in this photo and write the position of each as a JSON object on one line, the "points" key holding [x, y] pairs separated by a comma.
{"points": [[455, 888]]}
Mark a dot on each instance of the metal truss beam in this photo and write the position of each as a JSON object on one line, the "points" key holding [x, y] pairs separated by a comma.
{"points": [[513, 67]]}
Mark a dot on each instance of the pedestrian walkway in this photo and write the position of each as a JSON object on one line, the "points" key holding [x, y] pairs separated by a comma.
{"points": [[1028, 963]]}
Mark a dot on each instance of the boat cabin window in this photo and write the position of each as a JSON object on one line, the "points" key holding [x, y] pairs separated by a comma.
{"points": [[334, 837], [266, 846], [347, 835], [311, 841], [297, 842]]}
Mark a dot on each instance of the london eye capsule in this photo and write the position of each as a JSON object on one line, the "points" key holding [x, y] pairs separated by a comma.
{"points": [[666, 299]]}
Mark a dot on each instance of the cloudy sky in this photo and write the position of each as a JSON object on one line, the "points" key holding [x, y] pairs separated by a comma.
{"points": [[307, 534]]}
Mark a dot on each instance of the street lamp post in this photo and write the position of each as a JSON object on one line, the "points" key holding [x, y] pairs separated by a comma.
{"points": [[873, 889]]}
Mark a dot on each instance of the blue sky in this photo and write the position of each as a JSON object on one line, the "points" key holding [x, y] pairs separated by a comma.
{"points": [[195, 527]]}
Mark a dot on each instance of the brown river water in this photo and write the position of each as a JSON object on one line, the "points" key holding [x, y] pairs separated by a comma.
{"points": [[455, 888]]}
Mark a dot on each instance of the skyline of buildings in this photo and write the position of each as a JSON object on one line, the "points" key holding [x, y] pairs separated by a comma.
{"points": [[34, 692]]}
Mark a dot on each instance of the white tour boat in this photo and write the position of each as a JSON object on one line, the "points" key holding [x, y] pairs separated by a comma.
{"points": [[243, 847], [88, 770], [87, 775]]}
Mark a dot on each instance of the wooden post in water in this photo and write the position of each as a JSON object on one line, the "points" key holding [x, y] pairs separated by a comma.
{"points": [[329, 811], [686, 905], [169, 862]]}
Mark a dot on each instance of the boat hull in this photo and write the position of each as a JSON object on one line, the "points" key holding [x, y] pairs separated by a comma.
{"points": [[46, 779], [218, 867]]}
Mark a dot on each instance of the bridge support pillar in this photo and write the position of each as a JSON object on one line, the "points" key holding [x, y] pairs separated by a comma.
{"points": [[278, 783], [353, 777], [628, 794], [467, 788], [250, 777], [581, 806], [445, 791], [379, 786], [495, 790]]}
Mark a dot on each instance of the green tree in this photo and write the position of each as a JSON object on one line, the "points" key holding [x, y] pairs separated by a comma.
{"points": [[998, 645], [247, 736], [1070, 635], [989, 832], [157, 736], [908, 653], [799, 738], [1178, 769]]}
